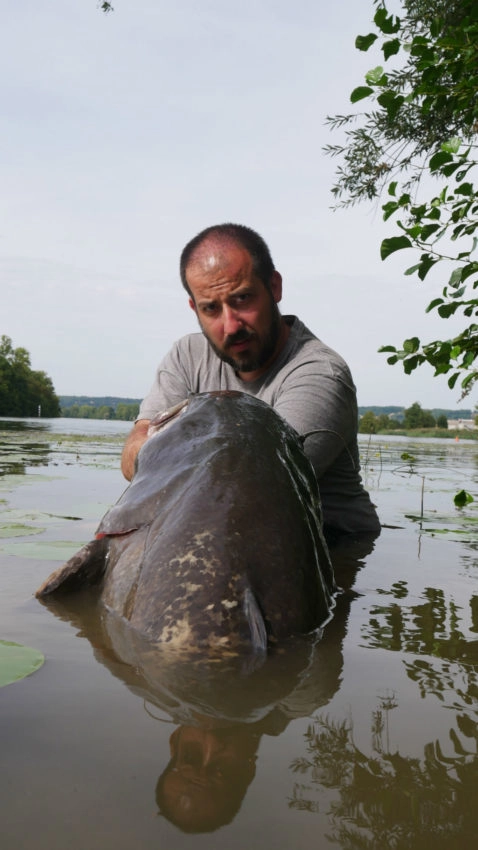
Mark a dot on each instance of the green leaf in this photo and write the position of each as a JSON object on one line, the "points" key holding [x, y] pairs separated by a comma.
{"points": [[389, 209], [410, 364], [428, 230], [374, 76], [435, 27], [452, 145], [415, 231], [458, 293], [391, 48], [412, 269], [447, 310], [470, 379], [452, 381], [360, 92], [433, 304], [363, 42], [450, 169], [385, 22], [439, 159], [17, 661], [468, 359], [411, 345], [465, 189], [455, 278], [463, 498], [391, 102], [392, 244], [427, 261]]}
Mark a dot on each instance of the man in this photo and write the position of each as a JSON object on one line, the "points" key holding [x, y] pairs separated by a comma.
{"points": [[247, 345]]}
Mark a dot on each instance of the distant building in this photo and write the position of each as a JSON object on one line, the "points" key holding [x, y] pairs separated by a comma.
{"points": [[461, 425]]}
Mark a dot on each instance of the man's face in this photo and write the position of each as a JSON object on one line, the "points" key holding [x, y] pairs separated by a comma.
{"points": [[237, 313]]}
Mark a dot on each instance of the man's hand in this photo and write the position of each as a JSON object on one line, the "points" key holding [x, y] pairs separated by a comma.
{"points": [[137, 437]]}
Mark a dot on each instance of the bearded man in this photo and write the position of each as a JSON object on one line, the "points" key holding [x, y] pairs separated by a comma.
{"points": [[247, 345]]}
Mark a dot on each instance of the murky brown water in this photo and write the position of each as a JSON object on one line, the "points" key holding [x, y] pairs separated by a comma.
{"points": [[367, 739]]}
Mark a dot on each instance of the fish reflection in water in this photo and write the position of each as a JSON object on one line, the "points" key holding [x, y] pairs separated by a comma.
{"points": [[221, 708]]}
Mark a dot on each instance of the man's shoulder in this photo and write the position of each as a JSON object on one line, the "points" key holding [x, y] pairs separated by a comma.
{"points": [[191, 347], [192, 341], [306, 346]]}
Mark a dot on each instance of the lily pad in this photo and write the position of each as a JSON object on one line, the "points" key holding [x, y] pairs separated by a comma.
{"points": [[43, 550], [16, 529], [17, 661]]}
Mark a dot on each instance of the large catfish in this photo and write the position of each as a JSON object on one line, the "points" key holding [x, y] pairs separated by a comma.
{"points": [[217, 542]]}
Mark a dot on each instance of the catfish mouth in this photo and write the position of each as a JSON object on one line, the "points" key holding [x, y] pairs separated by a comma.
{"points": [[162, 420]]}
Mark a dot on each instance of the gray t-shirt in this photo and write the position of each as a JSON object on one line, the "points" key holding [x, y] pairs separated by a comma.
{"points": [[311, 387]]}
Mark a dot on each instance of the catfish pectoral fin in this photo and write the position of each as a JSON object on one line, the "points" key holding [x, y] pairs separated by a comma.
{"points": [[256, 623], [86, 567]]}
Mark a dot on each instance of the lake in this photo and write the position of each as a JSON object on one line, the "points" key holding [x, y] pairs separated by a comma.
{"points": [[366, 738]]}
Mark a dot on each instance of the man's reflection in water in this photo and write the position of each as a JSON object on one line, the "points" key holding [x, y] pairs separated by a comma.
{"points": [[205, 781], [210, 770]]}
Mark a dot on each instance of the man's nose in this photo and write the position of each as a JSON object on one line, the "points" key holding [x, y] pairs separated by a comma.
{"points": [[231, 320]]}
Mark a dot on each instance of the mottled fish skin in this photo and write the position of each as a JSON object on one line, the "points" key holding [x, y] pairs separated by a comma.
{"points": [[217, 542]]}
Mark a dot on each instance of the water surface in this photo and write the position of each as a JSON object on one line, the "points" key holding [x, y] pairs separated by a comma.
{"points": [[366, 738]]}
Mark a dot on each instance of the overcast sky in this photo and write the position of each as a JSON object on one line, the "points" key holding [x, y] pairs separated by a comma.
{"points": [[125, 134]]}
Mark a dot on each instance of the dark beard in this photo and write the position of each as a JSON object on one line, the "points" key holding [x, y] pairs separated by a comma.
{"points": [[251, 362]]}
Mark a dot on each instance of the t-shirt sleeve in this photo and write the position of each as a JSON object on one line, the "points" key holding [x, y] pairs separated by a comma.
{"points": [[320, 399], [170, 386]]}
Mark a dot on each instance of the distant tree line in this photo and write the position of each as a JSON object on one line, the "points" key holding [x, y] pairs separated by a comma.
{"points": [[125, 412], [413, 417], [24, 391]]}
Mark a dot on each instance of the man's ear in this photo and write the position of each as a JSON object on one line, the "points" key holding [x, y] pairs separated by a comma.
{"points": [[276, 286], [192, 305]]}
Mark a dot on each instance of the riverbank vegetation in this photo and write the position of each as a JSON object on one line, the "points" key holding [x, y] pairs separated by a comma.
{"points": [[23, 390], [416, 422], [99, 408]]}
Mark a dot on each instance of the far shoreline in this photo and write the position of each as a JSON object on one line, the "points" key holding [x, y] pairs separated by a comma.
{"points": [[432, 433]]}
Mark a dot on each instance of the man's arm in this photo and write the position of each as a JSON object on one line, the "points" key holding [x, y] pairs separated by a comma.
{"points": [[135, 440]]}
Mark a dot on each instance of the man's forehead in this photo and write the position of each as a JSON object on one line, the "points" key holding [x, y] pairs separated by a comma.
{"points": [[214, 254]]}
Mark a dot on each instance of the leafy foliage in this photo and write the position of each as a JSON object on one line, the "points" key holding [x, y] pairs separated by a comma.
{"points": [[425, 122], [370, 423], [22, 390], [105, 408], [416, 417]]}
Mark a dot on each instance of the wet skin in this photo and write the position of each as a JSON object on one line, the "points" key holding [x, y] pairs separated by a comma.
{"points": [[237, 312]]}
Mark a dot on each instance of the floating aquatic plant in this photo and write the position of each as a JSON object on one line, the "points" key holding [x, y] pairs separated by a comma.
{"points": [[18, 661]]}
